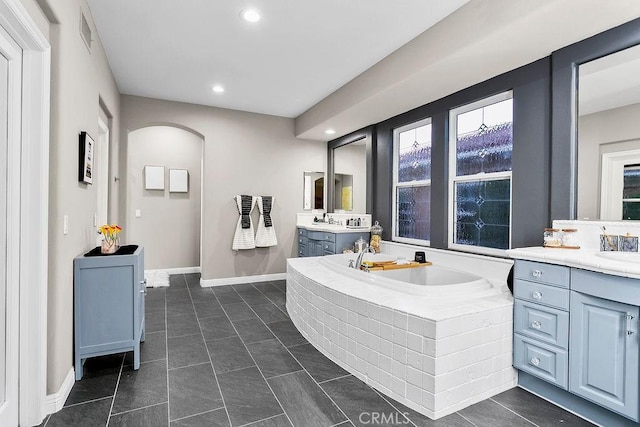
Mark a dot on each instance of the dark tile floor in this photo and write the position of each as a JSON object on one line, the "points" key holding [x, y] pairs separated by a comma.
{"points": [[230, 356]]}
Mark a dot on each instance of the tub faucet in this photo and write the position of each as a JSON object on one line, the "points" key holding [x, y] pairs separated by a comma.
{"points": [[366, 249]]}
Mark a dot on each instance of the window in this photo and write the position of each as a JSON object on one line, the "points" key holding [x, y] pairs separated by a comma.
{"points": [[481, 140], [631, 192], [412, 182]]}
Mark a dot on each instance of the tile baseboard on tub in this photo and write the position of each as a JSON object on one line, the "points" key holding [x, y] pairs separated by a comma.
{"points": [[55, 401], [242, 279]]}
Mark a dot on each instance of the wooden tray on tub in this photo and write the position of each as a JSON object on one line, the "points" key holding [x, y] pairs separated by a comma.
{"points": [[391, 265]]}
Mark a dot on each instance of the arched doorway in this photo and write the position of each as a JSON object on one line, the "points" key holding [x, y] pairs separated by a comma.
{"points": [[165, 218]]}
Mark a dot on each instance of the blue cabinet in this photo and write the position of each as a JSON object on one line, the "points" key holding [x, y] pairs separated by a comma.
{"points": [[541, 321], [108, 304], [604, 353], [577, 330], [320, 243]]}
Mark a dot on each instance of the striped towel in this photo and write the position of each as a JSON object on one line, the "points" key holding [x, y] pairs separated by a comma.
{"points": [[247, 205], [266, 209]]}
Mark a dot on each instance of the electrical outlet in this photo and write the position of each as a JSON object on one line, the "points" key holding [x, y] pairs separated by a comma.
{"points": [[138, 213], [65, 224], [95, 219]]}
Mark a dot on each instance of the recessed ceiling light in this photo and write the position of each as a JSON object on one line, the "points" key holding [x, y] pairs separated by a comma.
{"points": [[217, 89], [250, 15], [329, 131]]}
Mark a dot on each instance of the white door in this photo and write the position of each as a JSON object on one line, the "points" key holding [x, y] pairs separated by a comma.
{"points": [[10, 116], [101, 173]]}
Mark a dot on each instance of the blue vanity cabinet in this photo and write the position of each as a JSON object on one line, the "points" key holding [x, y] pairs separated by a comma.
{"points": [[108, 305], [578, 330], [541, 321], [302, 242], [604, 357], [320, 243]]}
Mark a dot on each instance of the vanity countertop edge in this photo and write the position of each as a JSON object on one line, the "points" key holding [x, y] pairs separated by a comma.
{"points": [[585, 259]]}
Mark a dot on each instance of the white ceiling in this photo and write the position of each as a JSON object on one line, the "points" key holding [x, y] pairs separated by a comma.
{"points": [[298, 54]]}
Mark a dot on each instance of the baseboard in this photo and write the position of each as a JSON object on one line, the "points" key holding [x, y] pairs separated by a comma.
{"points": [[177, 270], [244, 279], [55, 401]]}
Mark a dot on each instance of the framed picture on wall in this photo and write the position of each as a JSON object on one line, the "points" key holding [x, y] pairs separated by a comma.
{"points": [[178, 181], [154, 177], [85, 163]]}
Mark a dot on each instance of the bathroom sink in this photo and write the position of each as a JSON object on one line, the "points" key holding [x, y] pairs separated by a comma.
{"points": [[620, 256]]}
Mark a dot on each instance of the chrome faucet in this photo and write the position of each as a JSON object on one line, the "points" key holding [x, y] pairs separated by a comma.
{"points": [[366, 249]]}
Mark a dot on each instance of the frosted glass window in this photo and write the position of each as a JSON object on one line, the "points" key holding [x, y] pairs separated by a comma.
{"points": [[481, 139], [412, 182], [482, 213], [485, 139], [631, 193]]}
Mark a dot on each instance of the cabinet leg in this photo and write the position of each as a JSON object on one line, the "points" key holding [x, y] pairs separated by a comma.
{"points": [[136, 356], [79, 368], [143, 331]]}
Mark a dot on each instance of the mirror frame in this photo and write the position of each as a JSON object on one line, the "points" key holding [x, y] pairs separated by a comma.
{"points": [[564, 111], [368, 135]]}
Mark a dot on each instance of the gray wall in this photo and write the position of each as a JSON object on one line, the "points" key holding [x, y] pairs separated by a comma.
{"points": [[606, 131], [169, 227], [244, 153], [80, 82], [531, 153]]}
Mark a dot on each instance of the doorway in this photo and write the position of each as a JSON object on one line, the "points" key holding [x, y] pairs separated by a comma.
{"points": [[10, 124], [101, 173], [24, 215]]}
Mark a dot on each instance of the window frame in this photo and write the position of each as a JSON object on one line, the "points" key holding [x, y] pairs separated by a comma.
{"points": [[482, 176], [395, 184], [629, 199]]}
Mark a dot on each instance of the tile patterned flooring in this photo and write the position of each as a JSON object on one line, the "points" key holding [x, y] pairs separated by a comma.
{"points": [[230, 356]]}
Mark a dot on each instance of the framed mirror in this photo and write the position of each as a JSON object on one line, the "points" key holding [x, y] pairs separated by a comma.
{"points": [[350, 173], [567, 189], [313, 190], [609, 136]]}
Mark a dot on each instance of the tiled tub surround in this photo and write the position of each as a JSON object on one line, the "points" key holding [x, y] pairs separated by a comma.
{"points": [[587, 257], [436, 352]]}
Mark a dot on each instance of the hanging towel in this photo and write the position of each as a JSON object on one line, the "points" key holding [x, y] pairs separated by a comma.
{"points": [[266, 235], [244, 236]]}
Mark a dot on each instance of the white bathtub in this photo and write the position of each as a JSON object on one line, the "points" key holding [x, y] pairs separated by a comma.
{"points": [[429, 281], [434, 338]]}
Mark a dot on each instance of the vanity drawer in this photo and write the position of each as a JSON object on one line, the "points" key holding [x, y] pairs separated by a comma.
{"points": [[543, 323], [541, 294], [541, 360], [322, 235], [539, 272], [328, 248]]}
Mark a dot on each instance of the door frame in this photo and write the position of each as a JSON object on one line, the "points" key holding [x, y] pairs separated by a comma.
{"points": [[611, 182], [11, 322], [34, 208]]}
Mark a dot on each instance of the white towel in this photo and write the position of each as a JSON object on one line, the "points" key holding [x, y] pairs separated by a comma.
{"points": [[244, 237], [266, 235]]}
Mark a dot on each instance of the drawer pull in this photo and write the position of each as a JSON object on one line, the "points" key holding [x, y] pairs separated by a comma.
{"points": [[535, 361], [536, 273], [536, 324], [629, 319], [537, 295]]}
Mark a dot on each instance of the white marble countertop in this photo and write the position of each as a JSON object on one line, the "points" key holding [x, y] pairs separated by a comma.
{"points": [[587, 259], [334, 228]]}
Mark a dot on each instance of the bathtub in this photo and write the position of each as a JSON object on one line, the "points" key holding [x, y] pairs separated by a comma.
{"points": [[434, 338]]}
